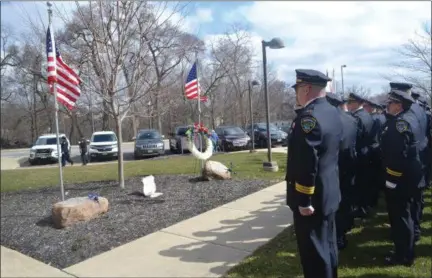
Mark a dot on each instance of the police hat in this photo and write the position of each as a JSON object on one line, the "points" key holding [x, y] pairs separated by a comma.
{"points": [[355, 97], [400, 96], [400, 86], [312, 77], [334, 99], [415, 95]]}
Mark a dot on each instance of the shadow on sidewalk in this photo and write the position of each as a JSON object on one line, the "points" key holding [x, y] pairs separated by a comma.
{"points": [[244, 234]]}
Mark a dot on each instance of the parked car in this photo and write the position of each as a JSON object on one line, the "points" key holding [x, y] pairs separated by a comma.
{"points": [[45, 149], [278, 137], [232, 138], [148, 142], [178, 141], [103, 144]]}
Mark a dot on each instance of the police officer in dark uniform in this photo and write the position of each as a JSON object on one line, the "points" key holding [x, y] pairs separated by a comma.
{"points": [[65, 152], [376, 172], [364, 143], [313, 192], [347, 164], [421, 117], [401, 159]]}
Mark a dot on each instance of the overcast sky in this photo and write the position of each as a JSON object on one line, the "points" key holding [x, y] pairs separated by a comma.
{"points": [[319, 35]]}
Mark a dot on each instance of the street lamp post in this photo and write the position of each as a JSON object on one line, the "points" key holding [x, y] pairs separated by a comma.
{"points": [[250, 85], [275, 43], [343, 89]]}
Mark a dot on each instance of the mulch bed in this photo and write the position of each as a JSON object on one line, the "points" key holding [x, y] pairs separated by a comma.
{"points": [[26, 223]]}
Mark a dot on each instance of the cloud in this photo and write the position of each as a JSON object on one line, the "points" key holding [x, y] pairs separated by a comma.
{"points": [[325, 35]]}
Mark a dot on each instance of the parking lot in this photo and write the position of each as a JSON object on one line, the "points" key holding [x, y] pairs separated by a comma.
{"points": [[18, 158]]}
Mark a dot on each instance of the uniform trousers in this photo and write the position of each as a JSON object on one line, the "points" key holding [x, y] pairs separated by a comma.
{"points": [[377, 180], [417, 211], [316, 241], [399, 204], [362, 182]]}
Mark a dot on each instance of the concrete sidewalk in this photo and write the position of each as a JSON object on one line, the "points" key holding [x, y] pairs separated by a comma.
{"points": [[15, 264], [207, 245]]}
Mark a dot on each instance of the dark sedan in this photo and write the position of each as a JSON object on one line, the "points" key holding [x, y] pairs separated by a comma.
{"points": [[278, 137], [148, 142], [232, 138]]}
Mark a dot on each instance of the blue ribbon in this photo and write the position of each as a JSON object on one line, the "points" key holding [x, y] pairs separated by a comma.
{"points": [[94, 197]]}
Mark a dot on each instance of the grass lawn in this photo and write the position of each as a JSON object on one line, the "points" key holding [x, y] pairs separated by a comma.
{"points": [[368, 244], [246, 166]]}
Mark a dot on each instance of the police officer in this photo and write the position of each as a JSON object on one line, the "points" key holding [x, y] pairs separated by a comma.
{"points": [[421, 117], [313, 192], [364, 144], [346, 162], [376, 171], [401, 159], [83, 150], [65, 152]]}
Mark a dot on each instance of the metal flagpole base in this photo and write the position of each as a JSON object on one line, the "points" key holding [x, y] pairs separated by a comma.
{"points": [[270, 166]]}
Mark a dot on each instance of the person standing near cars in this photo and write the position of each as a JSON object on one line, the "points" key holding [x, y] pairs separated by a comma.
{"points": [[65, 152], [83, 151]]}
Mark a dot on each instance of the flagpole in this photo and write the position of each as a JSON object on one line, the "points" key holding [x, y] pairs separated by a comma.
{"points": [[199, 110], [59, 154]]}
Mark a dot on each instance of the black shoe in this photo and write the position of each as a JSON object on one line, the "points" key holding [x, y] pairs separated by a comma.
{"points": [[393, 260]]}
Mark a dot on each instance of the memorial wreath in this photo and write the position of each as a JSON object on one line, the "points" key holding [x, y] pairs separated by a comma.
{"points": [[199, 129]]}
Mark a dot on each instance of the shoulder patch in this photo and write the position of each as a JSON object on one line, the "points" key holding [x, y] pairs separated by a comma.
{"points": [[308, 123], [401, 126]]}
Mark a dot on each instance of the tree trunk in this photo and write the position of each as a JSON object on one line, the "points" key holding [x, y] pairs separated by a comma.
{"points": [[120, 153], [158, 116], [105, 117]]}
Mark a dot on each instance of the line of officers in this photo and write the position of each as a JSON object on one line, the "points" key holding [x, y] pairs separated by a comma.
{"points": [[339, 160]]}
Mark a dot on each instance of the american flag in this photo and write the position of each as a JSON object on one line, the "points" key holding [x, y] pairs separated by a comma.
{"points": [[192, 87], [60, 74]]}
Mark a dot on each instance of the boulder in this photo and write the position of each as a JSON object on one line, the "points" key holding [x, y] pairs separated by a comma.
{"points": [[73, 210], [215, 170]]}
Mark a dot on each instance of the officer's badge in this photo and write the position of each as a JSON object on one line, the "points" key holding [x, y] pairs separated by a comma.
{"points": [[308, 123], [401, 126]]}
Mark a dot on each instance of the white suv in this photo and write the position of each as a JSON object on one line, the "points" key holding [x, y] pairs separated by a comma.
{"points": [[45, 149], [103, 144]]}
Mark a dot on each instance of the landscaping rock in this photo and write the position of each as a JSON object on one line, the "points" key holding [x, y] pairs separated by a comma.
{"points": [[77, 209], [215, 170]]}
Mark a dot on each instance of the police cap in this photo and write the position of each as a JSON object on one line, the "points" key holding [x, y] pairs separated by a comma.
{"points": [[334, 99], [312, 77], [400, 96], [355, 97], [400, 86], [415, 95]]}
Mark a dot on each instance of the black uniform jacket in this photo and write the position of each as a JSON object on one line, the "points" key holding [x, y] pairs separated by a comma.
{"points": [[365, 138], [401, 154], [347, 151], [313, 150]]}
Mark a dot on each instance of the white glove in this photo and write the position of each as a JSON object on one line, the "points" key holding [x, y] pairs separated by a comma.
{"points": [[390, 185]]}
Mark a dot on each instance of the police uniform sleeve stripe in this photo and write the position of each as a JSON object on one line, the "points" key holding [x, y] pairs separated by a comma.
{"points": [[393, 173], [309, 190]]}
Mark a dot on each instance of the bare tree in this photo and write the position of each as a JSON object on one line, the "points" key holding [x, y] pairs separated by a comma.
{"points": [[416, 57], [113, 36]]}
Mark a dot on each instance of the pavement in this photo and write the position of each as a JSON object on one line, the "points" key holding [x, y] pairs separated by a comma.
{"points": [[207, 245]]}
